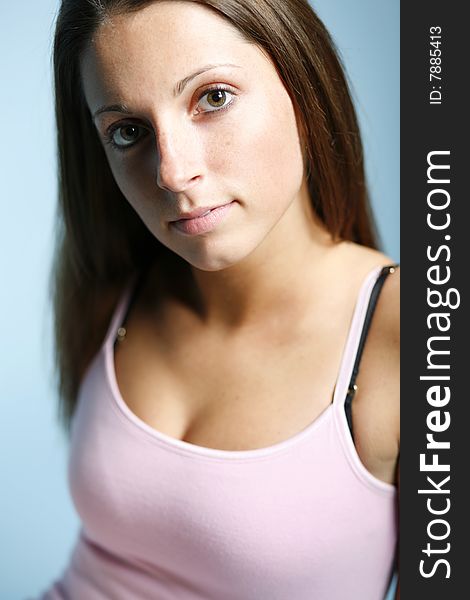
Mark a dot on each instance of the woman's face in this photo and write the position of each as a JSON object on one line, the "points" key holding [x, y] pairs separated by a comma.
{"points": [[194, 117]]}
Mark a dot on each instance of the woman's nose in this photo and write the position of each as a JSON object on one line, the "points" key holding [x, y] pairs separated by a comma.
{"points": [[178, 161]]}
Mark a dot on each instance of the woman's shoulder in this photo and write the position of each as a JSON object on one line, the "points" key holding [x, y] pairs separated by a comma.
{"points": [[379, 373], [357, 262], [385, 327], [387, 312], [360, 254]]}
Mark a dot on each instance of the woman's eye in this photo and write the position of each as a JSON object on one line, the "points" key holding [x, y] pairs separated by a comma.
{"points": [[214, 100], [124, 136]]}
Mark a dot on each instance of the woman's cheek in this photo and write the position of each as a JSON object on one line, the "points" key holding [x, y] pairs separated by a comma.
{"points": [[270, 158], [134, 179], [122, 173]]}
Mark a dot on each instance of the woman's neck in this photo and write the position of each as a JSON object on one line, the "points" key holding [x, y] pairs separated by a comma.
{"points": [[274, 279], [277, 279]]}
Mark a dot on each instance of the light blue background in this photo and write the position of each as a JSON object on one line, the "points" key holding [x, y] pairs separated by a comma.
{"points": [[38, 524]]}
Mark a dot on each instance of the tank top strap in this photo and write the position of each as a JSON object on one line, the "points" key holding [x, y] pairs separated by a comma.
{"points": [[369, 292]]}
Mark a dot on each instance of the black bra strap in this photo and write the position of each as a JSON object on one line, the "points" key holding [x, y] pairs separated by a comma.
{"points": [[365, 329]]}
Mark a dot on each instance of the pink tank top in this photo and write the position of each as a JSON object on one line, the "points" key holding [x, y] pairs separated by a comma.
{"points": [[164, 519]]}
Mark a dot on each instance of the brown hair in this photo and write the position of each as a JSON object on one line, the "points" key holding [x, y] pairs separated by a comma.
{"points": [[100, 240]]}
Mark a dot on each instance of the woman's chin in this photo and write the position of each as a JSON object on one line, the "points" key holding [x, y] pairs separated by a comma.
{"points": [[215, 257], [213, 263]]}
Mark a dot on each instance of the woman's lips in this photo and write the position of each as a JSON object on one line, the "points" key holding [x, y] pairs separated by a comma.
{"points": [[204, 223]]}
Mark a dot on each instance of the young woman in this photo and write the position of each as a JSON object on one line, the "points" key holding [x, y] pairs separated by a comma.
{"points": [[217, 287]]}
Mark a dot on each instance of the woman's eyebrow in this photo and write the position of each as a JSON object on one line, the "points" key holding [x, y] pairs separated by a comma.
{"points": [[179, 87], [177, 90], [122, 108]]}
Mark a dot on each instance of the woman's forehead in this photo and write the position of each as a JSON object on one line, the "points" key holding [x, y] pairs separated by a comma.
{"points": [[163, 44], [171, 28]]}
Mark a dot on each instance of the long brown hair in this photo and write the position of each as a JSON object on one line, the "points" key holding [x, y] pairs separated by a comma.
{"points": [[100, 240]]}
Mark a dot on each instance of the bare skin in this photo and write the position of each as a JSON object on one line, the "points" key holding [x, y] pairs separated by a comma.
{"points": [[272, 378], [250, 355]]}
